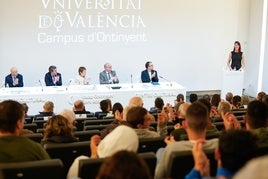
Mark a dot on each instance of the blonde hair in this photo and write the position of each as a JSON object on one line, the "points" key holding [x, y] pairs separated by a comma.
{"points": [[49, 106]]}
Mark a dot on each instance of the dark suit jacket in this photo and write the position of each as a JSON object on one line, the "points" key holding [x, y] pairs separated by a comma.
{"points": [[103, 77], [9, 81], [49, 80], [145, 78]]}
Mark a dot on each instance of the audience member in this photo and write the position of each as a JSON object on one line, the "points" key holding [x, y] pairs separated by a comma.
{"points": [[118, 115], [229, 97], [207, 97], [52, 77], [215, 100], [255, 168], [196, 122], [58, 130], [122, 165], [179, 99], [140, 119], [237, 102], [70, 115], [79, 109], [158, 105], [14, 79], [265, 99], [224, 107], [245, 101], [193, 97], [149, 74], [48, 110], [236, 147], [108, 76], [136, 101], [104, 106], [260, 95], [16, 148], [118, 139], [81, 79]]}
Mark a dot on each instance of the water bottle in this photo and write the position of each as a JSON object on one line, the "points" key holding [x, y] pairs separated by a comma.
{"points": [[7, 86], [235, 68]]}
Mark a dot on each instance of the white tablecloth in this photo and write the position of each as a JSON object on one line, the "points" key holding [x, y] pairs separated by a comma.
{"points": [[63, 96]]}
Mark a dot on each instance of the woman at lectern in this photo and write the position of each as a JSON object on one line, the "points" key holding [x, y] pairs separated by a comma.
{"points": [[236, 60]]}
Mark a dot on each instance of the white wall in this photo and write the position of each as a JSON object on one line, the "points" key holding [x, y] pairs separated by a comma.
{"points": [[188, 41], [265, 65]]}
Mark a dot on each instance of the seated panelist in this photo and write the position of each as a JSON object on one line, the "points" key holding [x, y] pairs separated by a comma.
{"points": [[149, 74], [52, 77], [108, 76], [14, 79]]}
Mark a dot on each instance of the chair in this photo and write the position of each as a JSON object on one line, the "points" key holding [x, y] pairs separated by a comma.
{"points": [[95, 127], [86, 135], [31, 127], [42, 169], [151, 144], [182, 162], [80, 122], [262, 150], [208, 136], [88, 168], [39, 123], [37, 137], [97, 122], [67, 152]]}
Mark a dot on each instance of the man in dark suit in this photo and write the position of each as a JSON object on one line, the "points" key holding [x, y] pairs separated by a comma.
{"points": [[53, 78], [108, 76], [149, 74], [14, 79]]}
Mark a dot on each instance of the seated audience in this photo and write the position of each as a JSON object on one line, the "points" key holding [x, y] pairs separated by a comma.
{"points": [[149, 74], [118, 139], [265, 99], [14, 79], [196, 122], [158, 105], [236, 147], [229, 97], [70, 115], [215, 100], [52, 77], [179, 99], [207, 97], [136, 101], [260, 95], [58, 130], [79, 108], [193, 97], [81, 79], [48, 110], [245, 101], [118, 115], [237, 102], [122, 165], [140, 119], [104, 106], [16, 148]]}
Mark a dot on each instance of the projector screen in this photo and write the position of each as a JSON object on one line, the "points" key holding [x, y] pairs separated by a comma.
{"points": [[188, 41]]}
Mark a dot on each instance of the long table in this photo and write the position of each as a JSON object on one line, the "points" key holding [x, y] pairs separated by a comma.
{"points": [[64, 96]]}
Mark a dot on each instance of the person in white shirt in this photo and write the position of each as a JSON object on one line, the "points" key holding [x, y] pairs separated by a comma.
{"points": [[81, 79]]}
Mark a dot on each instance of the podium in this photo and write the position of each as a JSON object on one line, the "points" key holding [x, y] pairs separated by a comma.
{"points": [[232, 81]]}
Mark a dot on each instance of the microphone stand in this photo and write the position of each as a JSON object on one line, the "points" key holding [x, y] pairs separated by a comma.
{"points": [[131, 81], [41, 84], [166, 80], [68, 85]]}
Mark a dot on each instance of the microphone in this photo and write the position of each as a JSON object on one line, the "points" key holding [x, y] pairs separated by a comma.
{"points": [[41, 84], [68, 84], [166, 80], [131, 81]]}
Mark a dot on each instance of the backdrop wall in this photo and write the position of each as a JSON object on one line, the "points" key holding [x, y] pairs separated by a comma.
{"points": [[187, 40]]}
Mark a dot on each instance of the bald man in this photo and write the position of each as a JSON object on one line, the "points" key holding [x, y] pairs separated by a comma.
{"points": [[14, 79], [108, 76]]}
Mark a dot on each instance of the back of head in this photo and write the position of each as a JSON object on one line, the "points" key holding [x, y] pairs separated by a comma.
{"points": [[224, 106], [135, 101], [183, 108], [10, 112], [79, 105], [26, 108], [48, 106], [109, 104], [135, 116], [180, 98], [257, 114], [206, 103], [193, 97], [124, 165], [104, 105], [121, 138], [207, 97], [260, 95], [68, 114], [229, 97], [117, 107], [265, 99], [236, 147], [159, 103], [237, 101], [197, 117], [58, 126], [215, 100]]}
